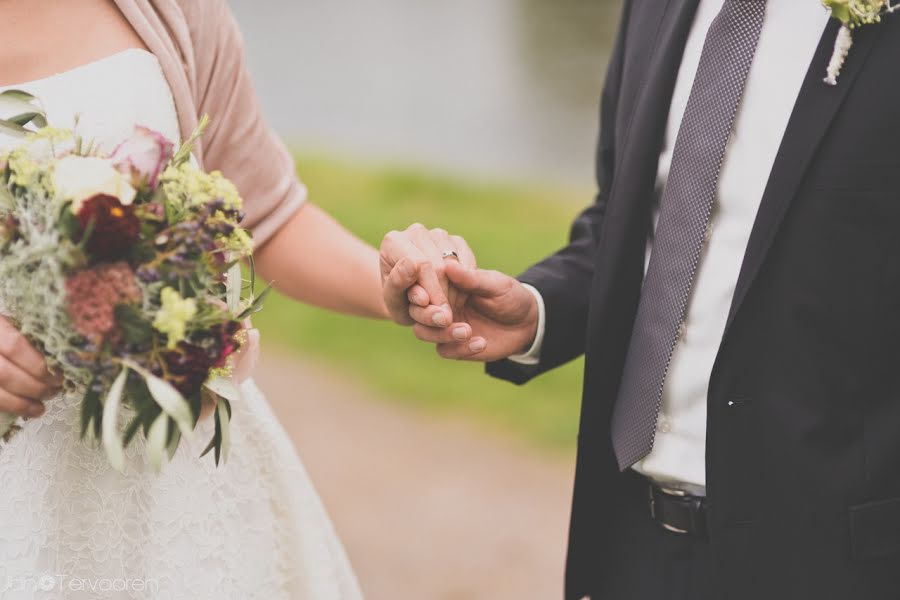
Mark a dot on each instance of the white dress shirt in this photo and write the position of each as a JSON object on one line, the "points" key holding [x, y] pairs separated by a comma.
{"points": [[789, 38]]}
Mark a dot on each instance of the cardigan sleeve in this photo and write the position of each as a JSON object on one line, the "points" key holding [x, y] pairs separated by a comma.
{"points": [[238, 141]]}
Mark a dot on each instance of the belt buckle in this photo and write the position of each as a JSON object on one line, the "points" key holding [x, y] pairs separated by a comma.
{"points": [[653, 515]]}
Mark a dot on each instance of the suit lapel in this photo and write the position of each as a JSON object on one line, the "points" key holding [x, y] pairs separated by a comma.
{"points": [[638, 156], [817, 106]]}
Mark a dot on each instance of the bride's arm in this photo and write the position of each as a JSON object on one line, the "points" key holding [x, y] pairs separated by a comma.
{"points": [[306, 253], [314, 259]]}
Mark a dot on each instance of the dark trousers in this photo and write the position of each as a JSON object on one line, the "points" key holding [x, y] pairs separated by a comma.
{"points": [[652, 563]]}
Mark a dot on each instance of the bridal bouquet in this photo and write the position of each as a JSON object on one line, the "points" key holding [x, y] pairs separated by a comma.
{"points": [[124, 270]]}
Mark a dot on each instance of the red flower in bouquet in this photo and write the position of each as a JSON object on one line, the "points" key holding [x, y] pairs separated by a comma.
{"points": [[93, 294], [115, 226], [189, 364], [188, 367], [227, 343]]}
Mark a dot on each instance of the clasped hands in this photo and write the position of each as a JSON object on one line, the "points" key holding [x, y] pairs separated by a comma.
{"points": [[431, 282]]}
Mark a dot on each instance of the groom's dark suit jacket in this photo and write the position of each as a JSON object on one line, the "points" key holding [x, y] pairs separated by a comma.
{"points": [[803, 432]]}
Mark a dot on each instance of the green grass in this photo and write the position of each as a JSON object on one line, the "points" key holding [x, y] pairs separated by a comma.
{"points": [[509, 227]]}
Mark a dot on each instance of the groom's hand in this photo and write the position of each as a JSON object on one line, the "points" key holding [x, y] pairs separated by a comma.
{"points": [[497, 317]]}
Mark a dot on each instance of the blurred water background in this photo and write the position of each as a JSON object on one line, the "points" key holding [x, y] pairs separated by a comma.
{"points": [[504, 88]]}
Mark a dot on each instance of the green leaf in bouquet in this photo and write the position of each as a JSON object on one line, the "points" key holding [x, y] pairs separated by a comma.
{"points": [[157, 439], [20, 95], [223, 423], [11, 128], [256, 305], [22, 109], [68, 223], [112, 443], [140, 399], [184, 152], [216, 442], [224, 388], [212, 444], [29, 117], [251, 267], [86, 234], [173, 215], [172, 403], [197, 401], [174, 440], [135, 328], [131, 430], [233, 288], [221, 440], [91, 413], [169, 399]]}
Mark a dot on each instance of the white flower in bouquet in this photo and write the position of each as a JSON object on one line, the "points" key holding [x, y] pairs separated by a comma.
{"points": [[79, 178]]}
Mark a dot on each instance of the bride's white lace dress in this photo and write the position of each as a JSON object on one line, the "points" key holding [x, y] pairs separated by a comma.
{"points": [[73, 528]]}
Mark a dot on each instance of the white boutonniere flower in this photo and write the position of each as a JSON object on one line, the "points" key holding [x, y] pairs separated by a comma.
{"points": [[852, 14]]}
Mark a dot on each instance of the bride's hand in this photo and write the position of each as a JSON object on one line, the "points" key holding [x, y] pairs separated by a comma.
{"points": [[25, 380], [413, 264]]}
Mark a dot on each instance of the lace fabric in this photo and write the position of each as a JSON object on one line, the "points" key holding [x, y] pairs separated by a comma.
{"points": [[72, 527]]}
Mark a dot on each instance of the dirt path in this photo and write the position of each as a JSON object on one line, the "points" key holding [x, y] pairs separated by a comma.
{"points": [[428, 509]]}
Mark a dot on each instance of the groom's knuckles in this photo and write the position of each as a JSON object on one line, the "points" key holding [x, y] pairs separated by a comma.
{"points": [[457, 350], [430, 334], [449, 335], [431, 316]]}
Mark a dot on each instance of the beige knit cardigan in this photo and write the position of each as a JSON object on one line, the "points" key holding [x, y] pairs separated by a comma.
{"points": [[201, 51]]}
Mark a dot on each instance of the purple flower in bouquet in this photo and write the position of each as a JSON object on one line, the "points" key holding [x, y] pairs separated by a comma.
{"points": [[143, 156]]}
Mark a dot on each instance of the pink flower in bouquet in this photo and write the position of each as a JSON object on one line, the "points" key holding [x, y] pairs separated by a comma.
{"points": [[115, 227], [93, 295], [143, 156]]}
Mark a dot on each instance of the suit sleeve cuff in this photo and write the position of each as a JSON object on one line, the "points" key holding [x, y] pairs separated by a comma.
{"points": [[533, 355]]}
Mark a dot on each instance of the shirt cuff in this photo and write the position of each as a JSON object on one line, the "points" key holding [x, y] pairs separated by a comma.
{"points": [[533, 355]]}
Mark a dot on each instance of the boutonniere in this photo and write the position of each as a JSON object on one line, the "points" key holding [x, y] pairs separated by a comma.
{"points": [[852, 14]]}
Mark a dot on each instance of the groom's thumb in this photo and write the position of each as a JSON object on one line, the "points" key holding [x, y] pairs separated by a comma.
{"points": [[475, 281]]}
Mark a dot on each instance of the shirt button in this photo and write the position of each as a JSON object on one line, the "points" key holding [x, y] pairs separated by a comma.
{"points": [[664, 426], [682, 330], [707, 235]]}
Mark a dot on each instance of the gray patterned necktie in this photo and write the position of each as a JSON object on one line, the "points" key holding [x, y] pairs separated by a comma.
{"points": [[684, 215]]}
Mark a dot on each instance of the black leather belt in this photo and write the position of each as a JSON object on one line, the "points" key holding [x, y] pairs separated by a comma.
{"points": [[678, 512]]}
